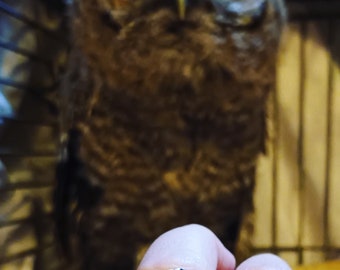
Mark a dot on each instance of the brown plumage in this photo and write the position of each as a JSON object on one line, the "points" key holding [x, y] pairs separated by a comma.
{"points": [[172, 116]]}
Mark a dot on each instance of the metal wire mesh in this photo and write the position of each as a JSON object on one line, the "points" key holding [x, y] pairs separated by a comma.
{"points": [[31, 51]]}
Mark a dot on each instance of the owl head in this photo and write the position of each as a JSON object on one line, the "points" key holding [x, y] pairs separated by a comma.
{"points": [[197, 49]]}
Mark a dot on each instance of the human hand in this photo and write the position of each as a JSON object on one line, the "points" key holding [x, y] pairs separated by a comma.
{"points": [[194, 247]]}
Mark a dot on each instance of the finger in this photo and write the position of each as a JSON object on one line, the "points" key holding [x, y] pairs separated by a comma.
{"points": [[191, 247], [264, 262]]}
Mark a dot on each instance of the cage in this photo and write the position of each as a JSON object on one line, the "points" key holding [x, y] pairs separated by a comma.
{"points": [[300, 203], [31, 51], [297, 181]]}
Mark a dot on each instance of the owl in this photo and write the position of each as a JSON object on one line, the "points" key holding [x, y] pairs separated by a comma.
{"points": [[163, 110]]}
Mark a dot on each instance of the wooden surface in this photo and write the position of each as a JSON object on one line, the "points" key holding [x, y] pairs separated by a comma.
{"points": [[324, 266], [296, 197]]}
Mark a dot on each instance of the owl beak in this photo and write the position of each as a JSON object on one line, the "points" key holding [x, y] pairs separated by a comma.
{"points": [[181, 6]]}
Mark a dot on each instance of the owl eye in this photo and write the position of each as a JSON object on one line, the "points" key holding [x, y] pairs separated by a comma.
{"points": [[239, 13]]}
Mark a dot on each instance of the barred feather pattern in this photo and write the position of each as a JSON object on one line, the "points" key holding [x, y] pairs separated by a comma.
{"points": [[173, 120]]}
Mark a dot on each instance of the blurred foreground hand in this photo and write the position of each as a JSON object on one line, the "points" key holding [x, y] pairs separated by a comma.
{"points": [[194, 247]]}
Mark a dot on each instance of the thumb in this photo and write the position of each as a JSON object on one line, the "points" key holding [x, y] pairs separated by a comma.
{"points": [[191, 247]]}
